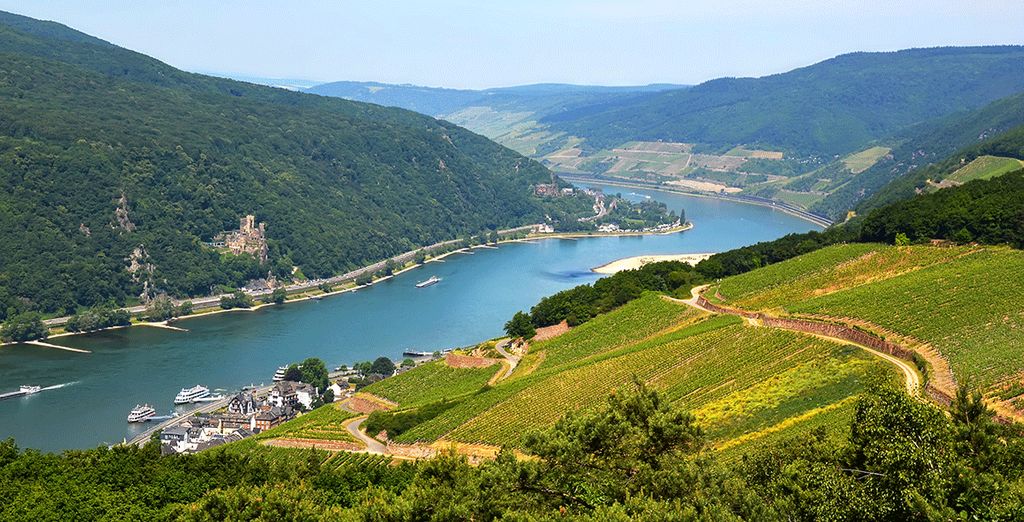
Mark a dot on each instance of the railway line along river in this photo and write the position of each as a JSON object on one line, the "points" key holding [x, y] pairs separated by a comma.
{"points": [[475, 297]]}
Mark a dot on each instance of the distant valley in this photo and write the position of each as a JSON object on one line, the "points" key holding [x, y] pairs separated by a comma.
{"points": [[810, 137]]}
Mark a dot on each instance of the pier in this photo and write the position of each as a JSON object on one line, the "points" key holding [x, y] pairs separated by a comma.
{"points": [[58, 347]]}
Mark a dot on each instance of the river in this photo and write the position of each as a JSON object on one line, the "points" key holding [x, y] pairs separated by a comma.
{"points": [[477, 294]]}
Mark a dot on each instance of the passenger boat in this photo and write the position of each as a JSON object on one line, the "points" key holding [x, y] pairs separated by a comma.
{"points": [[279, 374], [432, 281], [189, 395], [141, 413]]}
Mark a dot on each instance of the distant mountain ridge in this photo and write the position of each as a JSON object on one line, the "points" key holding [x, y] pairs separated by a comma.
{"points": [[832, 107], [441, 101]]}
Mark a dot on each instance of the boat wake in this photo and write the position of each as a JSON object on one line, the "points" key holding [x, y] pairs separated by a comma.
{"points": [[58, 386]]}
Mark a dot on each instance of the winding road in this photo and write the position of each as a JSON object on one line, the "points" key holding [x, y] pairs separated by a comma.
{"points": [[372, 445]]}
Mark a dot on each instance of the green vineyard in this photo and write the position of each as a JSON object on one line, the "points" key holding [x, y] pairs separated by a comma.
{"points": [[636, 321], [968, 308], [323, 423], [431, 382], [827, 270], [734, 377], [964, 301], [341, 460]]}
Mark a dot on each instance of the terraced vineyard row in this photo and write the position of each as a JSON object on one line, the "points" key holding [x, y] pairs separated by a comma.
{"points": [[431, 382], [828, 270], [831, 375], [632, 323], [968, 309]]}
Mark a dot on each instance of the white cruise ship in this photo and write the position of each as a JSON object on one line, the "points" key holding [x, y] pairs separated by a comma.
{"points": [[188, 395], [141, 412], [279, 374]]}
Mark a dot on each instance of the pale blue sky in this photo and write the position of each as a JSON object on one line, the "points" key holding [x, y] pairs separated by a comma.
{"points": [[481, 43]]}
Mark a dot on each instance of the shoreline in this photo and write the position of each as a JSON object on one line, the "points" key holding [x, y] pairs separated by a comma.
{"points": [[530, 238], [801, 214], [632, 263]]}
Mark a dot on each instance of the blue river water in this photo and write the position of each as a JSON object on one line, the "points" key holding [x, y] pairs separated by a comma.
{"points": [[477, 294]]}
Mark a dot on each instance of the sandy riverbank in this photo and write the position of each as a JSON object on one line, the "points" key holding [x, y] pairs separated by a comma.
{"points": [[632, 263]]}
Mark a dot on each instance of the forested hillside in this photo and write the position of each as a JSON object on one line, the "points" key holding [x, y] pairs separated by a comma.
{"points": [[107, 155], [1009, 144], [832, 107]]}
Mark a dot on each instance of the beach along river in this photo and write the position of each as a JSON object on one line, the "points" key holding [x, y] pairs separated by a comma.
{"points": [[477, 294]]}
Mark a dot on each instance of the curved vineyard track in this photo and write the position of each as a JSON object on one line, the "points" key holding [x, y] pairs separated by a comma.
{"points": [[911, 378]]}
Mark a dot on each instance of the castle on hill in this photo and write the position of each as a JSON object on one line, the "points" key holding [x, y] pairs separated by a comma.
{"points": [[250, 238]]}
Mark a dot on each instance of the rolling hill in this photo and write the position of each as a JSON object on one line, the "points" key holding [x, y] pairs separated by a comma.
{"points": [[109, 158]]}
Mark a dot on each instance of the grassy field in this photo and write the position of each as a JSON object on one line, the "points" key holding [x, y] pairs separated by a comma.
{"points": [[865, 159], [985, 167], [431, 382]]}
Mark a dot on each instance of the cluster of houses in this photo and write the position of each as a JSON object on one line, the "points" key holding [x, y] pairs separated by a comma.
{"points": [[245, 415]]}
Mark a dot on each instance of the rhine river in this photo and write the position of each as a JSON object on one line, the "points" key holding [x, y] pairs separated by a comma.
{"points": [[477, 294]]}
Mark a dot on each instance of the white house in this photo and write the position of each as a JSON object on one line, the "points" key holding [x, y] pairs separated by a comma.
{"points": [[337, 390], [305, 394]]}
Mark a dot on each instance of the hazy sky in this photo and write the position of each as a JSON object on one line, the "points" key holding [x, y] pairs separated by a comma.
{"points": [[484, 43]]}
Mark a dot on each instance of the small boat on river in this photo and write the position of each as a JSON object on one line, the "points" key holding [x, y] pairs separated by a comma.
{"points": [[432, 281], [23, 391]]}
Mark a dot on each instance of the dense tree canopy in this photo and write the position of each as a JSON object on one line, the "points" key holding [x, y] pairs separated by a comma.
{"points": [[636, 458]]}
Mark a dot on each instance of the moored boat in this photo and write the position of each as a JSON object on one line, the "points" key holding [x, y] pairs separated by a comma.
{"points": [[141, 413], [189, 395]]}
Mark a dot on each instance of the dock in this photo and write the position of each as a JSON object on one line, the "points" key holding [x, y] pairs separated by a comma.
{"points": [[58, 347], [165, 326]]}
